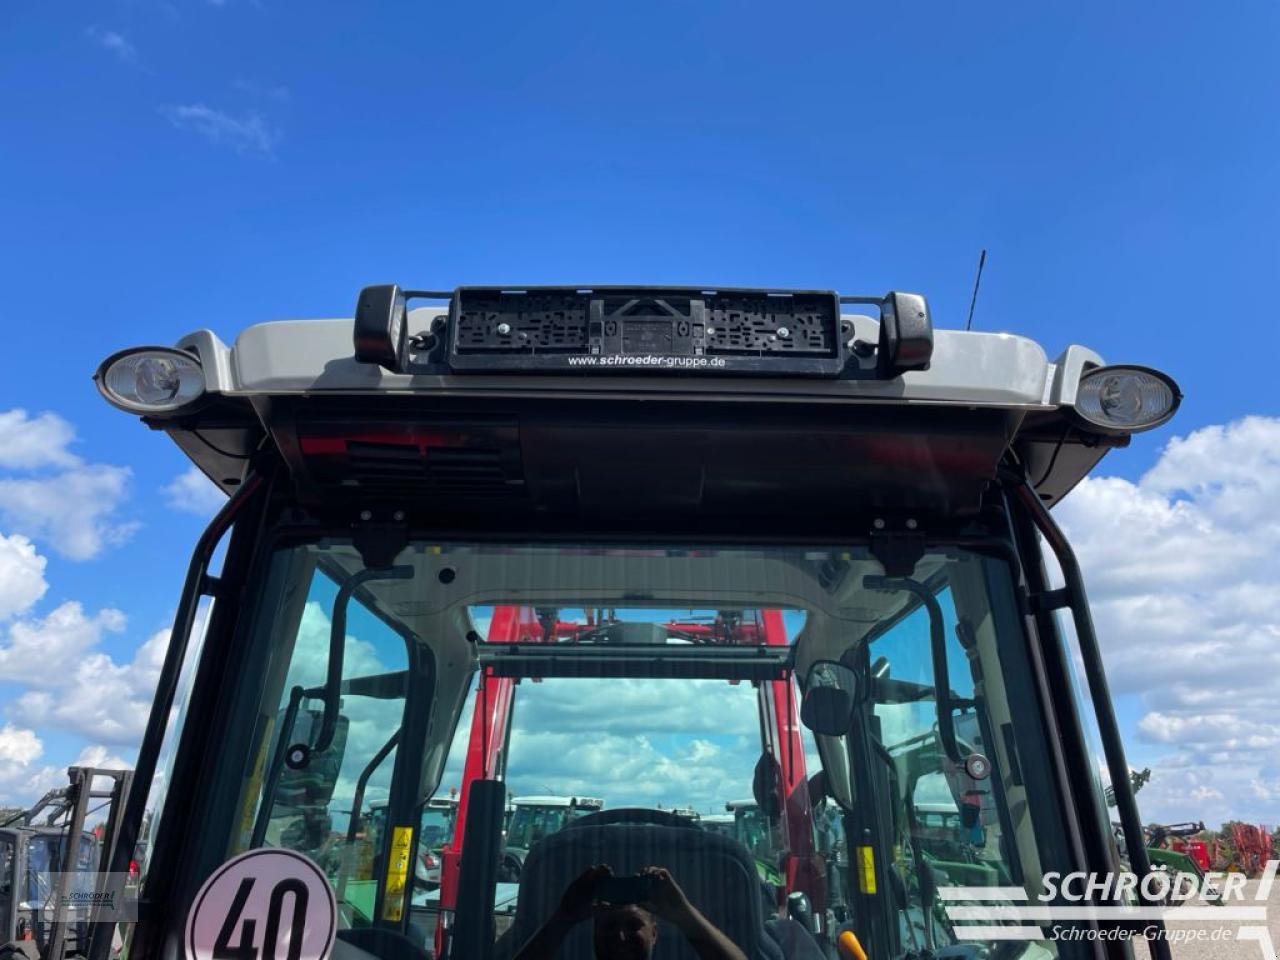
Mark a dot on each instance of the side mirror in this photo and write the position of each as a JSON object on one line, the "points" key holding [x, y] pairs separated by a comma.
{"points": [[765, 786], [310, 776]]}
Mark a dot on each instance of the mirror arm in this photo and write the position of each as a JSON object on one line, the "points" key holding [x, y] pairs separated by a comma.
{"points": [[337, 646], [277, 765], [938, 644], [357, 801]]}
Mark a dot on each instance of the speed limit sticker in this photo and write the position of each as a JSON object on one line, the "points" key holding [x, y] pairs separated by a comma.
{"points": [[263, 905]]}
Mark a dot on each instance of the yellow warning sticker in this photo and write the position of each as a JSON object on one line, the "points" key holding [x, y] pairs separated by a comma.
{"points": [[867, 873], [397, 873]]}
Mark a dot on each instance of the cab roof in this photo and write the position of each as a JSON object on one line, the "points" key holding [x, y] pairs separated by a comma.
{"points": [[928, 437]]}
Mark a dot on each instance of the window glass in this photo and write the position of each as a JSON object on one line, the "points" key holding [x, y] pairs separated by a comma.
{"points": [[648, 686], [173, 733], [332, 805], [946, 809]]}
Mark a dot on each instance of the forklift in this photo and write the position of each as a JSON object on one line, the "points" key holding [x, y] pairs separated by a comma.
{"points": [[397, 477], [51, 889]]}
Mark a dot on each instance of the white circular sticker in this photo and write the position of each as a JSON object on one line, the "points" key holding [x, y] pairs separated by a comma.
{"points": [[263, 905]]}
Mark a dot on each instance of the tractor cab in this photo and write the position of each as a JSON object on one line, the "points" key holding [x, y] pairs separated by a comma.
{"points": [[660, 545], [534, 818]]}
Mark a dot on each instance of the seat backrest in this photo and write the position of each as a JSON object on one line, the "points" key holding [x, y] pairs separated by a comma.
{"points": [[715, 872]]}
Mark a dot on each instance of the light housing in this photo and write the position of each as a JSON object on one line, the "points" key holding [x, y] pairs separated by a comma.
{"points": [[1125, 399], [906, 334], [150, 380], [380, 326]]}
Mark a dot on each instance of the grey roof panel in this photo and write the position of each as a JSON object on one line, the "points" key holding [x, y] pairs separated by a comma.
{"points": [[314, 356]]}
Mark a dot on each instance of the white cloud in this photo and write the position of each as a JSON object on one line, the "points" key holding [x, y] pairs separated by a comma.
{"points": [[27, 443], [114, 42], [673, 742], [1188, 614], [21, 780], [74, 510], [251, 132], [55, 658], [101, 757], [95, 696], [40, 653], [56, 496], [192, 492], [18, 745], [22, 580]]}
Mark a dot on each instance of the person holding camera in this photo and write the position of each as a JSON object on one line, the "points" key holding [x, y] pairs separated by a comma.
{"points": [[628, 931]]}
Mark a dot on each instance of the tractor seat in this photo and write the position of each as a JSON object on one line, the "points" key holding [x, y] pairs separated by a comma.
{"points": [[715, 872]]}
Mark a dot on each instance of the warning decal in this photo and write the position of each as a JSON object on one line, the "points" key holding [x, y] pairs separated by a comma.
{"points": [[265, 904]]}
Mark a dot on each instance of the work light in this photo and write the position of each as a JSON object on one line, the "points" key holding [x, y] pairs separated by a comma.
{"points": [[150, 379], [1126, 399]]}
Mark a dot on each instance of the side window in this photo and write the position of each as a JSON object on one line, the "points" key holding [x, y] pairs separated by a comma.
{"points": [[330, 802], [173, 733], [951, 820], [1100, 776]]}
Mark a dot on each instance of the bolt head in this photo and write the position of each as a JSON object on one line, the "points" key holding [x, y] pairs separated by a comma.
{"points": [[504, 328], [366, 514], [784, 332]]}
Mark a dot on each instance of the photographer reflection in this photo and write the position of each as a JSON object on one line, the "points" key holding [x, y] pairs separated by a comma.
{"points": [[626, 926]]}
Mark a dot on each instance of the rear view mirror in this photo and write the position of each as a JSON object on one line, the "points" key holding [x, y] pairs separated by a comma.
{"points": [[828, 707], [829, 695], [827, 710]]}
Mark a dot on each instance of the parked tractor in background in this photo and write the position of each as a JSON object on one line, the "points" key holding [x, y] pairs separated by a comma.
{"points": [[48, 881], [1181, 850]]}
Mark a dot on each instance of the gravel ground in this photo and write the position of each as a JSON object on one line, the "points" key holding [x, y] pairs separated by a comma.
{"points": [[1229, 949]]}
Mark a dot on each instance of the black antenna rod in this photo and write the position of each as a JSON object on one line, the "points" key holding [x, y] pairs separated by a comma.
{"points": [[982, 261]]}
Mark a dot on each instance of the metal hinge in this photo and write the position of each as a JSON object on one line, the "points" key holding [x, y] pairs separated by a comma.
{"points": [[898, 545], [1049, 600], [379, 536]]}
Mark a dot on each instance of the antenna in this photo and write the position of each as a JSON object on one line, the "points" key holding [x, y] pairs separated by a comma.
{"points": [[982, 262]]}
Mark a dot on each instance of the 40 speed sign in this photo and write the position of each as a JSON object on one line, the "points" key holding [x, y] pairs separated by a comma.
{"points": [[265, 904]]}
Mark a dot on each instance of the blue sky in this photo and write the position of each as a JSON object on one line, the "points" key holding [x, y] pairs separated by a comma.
{"points": [[174, 165]]}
